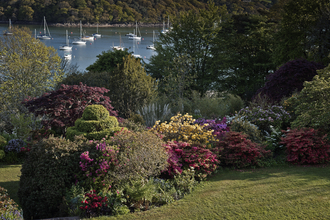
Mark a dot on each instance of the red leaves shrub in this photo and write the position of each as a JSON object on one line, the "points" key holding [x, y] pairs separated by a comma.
{"points": [[238, 151], [183, 155], [65, 105], [306, 145]]}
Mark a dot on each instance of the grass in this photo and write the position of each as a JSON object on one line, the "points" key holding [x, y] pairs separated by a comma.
{"points": [[286, 192], [289, 192], [9, 179]]}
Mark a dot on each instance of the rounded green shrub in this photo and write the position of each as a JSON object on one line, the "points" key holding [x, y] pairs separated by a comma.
{"points": [[242, 125], [50, 168], [3, 142], [96, 123]]}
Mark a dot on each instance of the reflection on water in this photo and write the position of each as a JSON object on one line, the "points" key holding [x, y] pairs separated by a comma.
{"points": [[85, 55]]}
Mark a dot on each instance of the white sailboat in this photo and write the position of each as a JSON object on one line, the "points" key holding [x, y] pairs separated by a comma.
{"points": [[118, 47], [79, 41], [135, 37], [67, 46], [44, 36], [152, 47], [67, 56], [9, 30], [135, 55], [165, 31], [97, 31]]}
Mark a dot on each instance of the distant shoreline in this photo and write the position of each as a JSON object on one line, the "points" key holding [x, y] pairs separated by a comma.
{"points": [[84, 25]]}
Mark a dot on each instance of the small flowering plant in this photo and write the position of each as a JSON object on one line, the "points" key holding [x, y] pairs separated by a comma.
{"points": [[96, 167], [274, 115], [94, 205], [9, 210]]}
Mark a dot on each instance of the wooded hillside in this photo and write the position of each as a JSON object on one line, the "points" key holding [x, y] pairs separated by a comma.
{"points": [[114, 11]]}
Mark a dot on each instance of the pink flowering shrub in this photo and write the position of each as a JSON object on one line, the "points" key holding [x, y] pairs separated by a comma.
{"points": [[306, 146], [238, 151], [95, 171], [183, 155]]}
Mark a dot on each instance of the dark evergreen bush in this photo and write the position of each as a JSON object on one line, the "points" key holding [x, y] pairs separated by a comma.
{"points": [[48, 170]]}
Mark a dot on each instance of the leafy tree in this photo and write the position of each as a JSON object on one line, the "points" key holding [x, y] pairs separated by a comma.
{"points": [[130, 87], [243, 51], [28, 68], [289, 78], [312, 104], [193, 34], [61, 108], [304, 32], [108, 61]]}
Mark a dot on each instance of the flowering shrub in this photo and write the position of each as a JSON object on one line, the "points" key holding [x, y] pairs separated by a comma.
{"points": [[219, 127], [184, 128], [273, 115], [14, 145], [96, 170], [95, 205], [306, 145], [183, 155], [238, 151], [9, 210]]}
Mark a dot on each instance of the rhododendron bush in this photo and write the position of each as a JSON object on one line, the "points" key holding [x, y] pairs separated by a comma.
{"points": [[238, 151], [306, 146], [184, 155]]}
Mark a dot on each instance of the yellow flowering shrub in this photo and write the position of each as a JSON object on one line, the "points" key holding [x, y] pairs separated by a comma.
{"points": [[183, 128]]}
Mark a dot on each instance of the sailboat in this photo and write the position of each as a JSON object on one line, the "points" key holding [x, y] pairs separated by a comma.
{"points": [[85, 37], [79, 41], [152, 47], [97, 31], [118, 47], [66, 47], [135, 37], [165, 31], [44, 36], [135, 55], [9, 30]]}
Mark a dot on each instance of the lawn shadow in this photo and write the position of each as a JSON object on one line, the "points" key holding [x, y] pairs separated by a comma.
{"points": [[12, 189]]}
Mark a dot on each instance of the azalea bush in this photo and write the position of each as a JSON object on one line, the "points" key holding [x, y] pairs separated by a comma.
{"points": [[238, 151], [306, 146], [219, 127], [183, 128], [184, 155], [94, 205]]}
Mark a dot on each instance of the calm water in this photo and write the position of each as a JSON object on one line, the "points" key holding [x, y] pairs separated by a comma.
{"points": [[85, 55]]}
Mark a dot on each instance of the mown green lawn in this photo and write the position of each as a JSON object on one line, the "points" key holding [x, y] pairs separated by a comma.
{"points": [[286, 192], [290, 192]]}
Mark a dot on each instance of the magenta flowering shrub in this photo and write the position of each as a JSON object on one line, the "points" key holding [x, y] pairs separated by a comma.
{"points": [[219, 127], [184, 155], [95, 170], [95, 205]]}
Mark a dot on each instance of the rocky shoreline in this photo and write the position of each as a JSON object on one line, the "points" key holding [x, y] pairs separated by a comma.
{"points": [[86, 25]]}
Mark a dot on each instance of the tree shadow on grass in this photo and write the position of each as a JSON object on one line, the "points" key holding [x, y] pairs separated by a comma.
{"points": [[12, 189]]}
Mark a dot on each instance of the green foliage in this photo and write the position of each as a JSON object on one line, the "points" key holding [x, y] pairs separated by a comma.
{"points": [[244, 47], [132, 126], [311, 104], [23, 124], [240, 124], [9, 210], [3, 142], [72, 200], [185, 182], [130, 86], [137, 118], [29, 68], [273, 141], [108, 61], [154, 112], [47, 172], [141, 155], [2, 154], [96, 123]]}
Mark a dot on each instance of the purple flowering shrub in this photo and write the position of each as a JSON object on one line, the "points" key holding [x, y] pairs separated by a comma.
{"points": [[219, 127], [264, 117], [183, 155]]}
